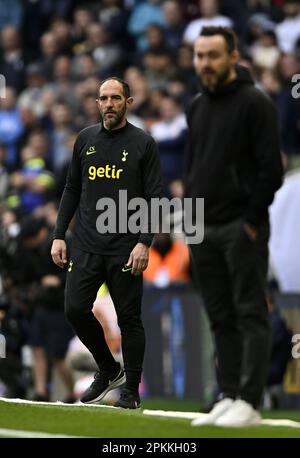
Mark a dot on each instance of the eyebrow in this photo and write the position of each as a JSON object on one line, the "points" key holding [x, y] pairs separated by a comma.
{"points": [[101, 97]]}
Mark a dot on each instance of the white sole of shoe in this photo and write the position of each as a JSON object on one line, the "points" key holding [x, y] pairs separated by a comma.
{"points": [[114, 384]]}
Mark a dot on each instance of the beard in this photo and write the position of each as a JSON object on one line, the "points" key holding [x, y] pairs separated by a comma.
{"points": [[214, 80], [114, 119]]}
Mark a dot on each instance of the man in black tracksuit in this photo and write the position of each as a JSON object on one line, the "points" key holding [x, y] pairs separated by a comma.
{"points": [[108, 157], [234, 163]]}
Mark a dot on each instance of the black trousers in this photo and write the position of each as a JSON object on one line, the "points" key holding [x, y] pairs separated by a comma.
{"points": [[86, 273], [231, 272]]}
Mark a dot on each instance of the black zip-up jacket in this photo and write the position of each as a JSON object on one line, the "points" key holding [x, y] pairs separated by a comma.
{"points": [[233, 156], [103, 163]]}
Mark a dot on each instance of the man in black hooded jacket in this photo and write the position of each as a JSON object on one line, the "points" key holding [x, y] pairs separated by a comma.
{"points": [[233, 162]]}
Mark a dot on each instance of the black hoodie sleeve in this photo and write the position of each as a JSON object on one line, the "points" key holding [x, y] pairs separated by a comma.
{"points": [[189, 150], [152, 181], [71, 194], [264, 139]]}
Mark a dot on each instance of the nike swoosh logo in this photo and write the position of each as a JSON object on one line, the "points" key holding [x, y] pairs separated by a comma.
{"points": [[126, 269], [90, 152]]}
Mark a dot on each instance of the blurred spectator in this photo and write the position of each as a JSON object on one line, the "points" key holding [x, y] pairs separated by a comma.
{"points": [[265, 52], [31, 96], [11, 126], [140, 91], [144, 14], [9, 231], [209, 12], [158, 67], [289, 65], [156, 96], [11, 13], [4, 177], [290, 121], [63, 84], [82, 19], [85, 88], [238, 11], [257, 25], [288, 110], [170, 134], [178, 88], [185, 67], [38, 142], [135, 120], [62, 126], [61, 28], [174, 23], [155, 38], [49, 51], [62, 175], [106, 54], [168, 262], [284, 242], [288, 31], [84, 66], [33, 183], [13, 329], [114, 18], [90, 113], [12, 57], [31, 124], [281, 352], [272, 8]]}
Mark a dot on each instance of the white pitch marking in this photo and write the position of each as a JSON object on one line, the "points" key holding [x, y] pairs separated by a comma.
{"points": [[55, 404], [171, 413], [192, 415], [34, 434]]}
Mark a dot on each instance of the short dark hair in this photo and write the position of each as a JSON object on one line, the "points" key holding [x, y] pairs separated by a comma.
{"points": [[227, 33], [125, 85]]}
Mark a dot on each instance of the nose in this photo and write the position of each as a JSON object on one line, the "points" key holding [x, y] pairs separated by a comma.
{"points": [[109, 102], [205, 62]]}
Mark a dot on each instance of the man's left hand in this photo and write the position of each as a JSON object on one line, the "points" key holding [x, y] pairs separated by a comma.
{"points": [[138, 259]]}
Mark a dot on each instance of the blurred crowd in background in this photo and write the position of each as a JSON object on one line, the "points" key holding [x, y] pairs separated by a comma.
{"points": [[53, 55]]}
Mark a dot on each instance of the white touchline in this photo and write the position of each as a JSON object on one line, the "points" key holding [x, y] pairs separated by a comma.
{"points": [[192, 415], [33, 434], [54, 404]]}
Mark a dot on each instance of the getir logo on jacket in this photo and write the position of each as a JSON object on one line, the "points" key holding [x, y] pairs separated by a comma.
{"points": [[104, 172]]}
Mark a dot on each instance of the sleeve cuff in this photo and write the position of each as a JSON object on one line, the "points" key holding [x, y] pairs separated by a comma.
{"points": [[58, 236], [146, 239]]}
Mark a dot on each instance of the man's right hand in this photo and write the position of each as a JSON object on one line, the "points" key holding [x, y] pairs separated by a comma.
{"points": [[59, 252]]}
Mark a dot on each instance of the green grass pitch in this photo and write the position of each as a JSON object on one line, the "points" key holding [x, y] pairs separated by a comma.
{"points": [[102, 423]]}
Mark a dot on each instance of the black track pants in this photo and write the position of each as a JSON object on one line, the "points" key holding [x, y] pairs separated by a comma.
{"points": [[87, 272]]}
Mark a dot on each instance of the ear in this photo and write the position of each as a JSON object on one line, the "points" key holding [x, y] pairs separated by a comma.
{"points": [[235, 57], [129, 101]]}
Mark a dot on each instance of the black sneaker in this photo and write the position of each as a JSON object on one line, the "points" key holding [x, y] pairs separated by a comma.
{"points": [[102, 384], [128, 400]]}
